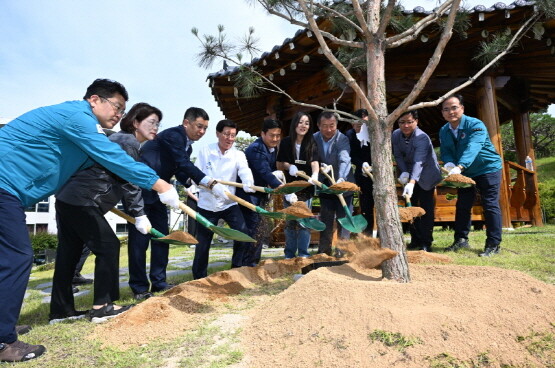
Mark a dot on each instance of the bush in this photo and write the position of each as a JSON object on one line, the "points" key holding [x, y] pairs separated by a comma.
{"points": [[42, 241], [547, 198]]}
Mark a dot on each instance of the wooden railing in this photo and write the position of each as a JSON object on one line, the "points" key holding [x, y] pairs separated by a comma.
{"points": [[524, 197]]}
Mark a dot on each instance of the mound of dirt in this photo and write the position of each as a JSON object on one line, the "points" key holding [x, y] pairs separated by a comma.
{"points": [[298, 209], [181, 236], [410, 213], [345, 186], [459, 178]]}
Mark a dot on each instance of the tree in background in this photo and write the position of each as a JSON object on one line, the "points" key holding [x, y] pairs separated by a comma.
{"points": [[358, 33], [241, 143], [543, 139]]}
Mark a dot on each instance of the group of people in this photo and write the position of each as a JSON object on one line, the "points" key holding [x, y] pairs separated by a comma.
{"points": [[67, 149]]}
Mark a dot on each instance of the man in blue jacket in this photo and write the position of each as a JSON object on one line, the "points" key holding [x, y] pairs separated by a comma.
{"points": [[39, 152], [261, 157], [466, 148], [420, 173], [168, 154], [334, 151]]}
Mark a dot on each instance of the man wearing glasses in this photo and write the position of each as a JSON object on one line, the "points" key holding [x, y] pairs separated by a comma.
{"points": [[40, 151], [420, 173], [168, 154], [224, 161], [466, 148]]}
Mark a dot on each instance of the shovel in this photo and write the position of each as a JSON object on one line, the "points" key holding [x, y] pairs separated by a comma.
{"points": [[355, 224], [368, 172], [323, 188], [155, 233], [222, 231], [453, 184], [284, 189]]}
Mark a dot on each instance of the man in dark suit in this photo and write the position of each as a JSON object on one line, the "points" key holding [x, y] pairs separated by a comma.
{"points": [[168, 154], [261, 157], [361, 157], [420, 173]]}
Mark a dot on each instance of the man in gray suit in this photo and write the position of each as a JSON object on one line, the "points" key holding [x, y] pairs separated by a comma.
{"points": [[420, 173], [334, 150]]}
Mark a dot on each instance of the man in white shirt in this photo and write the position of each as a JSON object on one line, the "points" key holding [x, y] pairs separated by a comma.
{"points": [[223, 161]]}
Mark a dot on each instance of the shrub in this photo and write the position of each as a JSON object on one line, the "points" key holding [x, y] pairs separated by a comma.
{"points": [[43, 240], [547, 198]]}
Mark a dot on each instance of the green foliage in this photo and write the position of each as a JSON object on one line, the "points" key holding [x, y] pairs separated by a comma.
{"points": [[461, 24], [445, 360], [393, 339], [543, 139], [541, 345], [489, 50], [547, 199], [241, 143], [546, 7], [43, 240], [248, 81]]}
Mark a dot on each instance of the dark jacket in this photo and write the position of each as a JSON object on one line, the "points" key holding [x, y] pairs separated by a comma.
{"points": [[359, 155], [302, 163], [169, 154], [338, 156], [96, 186]]}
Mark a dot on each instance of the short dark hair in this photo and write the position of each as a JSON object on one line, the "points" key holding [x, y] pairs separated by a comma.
{"points": [[414, 114], [106, 88], [140, 111], [225, 123], [268, 124], [326, 115], [457, 96], [193, 113], [361, 113]]}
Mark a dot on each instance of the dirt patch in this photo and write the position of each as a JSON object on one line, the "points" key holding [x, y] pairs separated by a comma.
{"points": [[181, 236], [325, 318], [298, 209], [458, 178], [345, 186], [408, 214]]}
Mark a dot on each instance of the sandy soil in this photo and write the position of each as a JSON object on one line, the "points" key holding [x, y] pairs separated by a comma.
{"points": [[324, 319]]}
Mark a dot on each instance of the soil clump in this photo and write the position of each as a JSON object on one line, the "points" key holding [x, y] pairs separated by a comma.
{"points": [[408, 214], [458, 178], [345, 186], [181, 236], [298, 209]]}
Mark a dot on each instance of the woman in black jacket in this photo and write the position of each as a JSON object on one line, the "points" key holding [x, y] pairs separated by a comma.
{"points": [[298, 152]]}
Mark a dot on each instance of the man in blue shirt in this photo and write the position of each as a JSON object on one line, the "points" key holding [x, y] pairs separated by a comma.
{"points": [[466, 148], [39, 151]]}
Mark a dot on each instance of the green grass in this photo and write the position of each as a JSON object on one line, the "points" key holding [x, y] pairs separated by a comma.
{"points": [[394, 339], [545, 168]]}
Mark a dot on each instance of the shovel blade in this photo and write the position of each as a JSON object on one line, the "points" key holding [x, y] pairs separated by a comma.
{"points": [[312, 223], [232, 234], [355, 224], [171, 241]]}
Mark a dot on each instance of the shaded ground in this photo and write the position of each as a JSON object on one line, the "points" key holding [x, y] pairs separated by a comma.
{"points": [[474, 314]]}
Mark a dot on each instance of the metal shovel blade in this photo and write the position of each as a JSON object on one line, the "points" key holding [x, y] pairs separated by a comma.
{"points": [[355, 224], [158, 236], [312, 223], [224, 231]]}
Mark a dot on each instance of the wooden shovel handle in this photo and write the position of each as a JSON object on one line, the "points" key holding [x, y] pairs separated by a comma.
{"points": [[365, 169], [188, 210], [123, 215], [332, 181], [241, 201], [240, 185], [303, 175]]}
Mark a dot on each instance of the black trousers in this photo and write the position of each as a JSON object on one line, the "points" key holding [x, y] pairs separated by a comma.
{"points": [[78, 225], [366, 198], [422, 229]]}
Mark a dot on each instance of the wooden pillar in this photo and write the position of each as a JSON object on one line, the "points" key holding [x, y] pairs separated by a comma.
{"points": [[487, 112], [524, 147]]}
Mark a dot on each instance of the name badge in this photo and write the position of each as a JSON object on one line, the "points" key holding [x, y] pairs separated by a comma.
{"points": [[300, 162]]}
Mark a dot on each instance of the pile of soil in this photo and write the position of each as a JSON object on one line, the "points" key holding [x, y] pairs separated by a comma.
{"points": [[458, 178], [181, 236], [297, 184], [298, 209], [410, 213], [325, 318], [345, 186]]}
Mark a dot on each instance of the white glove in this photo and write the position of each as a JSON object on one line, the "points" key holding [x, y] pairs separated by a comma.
{"points": [[455, 170], [340, 180], [247, 187], [142, 224], [366, 165], [404, 178], [219, 191], [291, 198], [313, 179], [170, 197], [326, 168], [293, 170], [448, 166], [409, 189], [279, 175]]}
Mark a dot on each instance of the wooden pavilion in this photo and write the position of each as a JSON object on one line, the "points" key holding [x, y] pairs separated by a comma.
{"points": [[523, 82]]}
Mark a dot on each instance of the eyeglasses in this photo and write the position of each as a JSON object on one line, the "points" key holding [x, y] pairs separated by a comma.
{"points": [[153, 124], [117, 107], [229, 135], [452, 108]]}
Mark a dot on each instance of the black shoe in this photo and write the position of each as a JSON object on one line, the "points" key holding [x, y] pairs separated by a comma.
{"points": [[490, 251], [18, 351], [74, 289], [23, 329], [80, 280], [167, 287], [56, 318], [458, 244], [142, 296], [106, 312], [427, 248]]}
